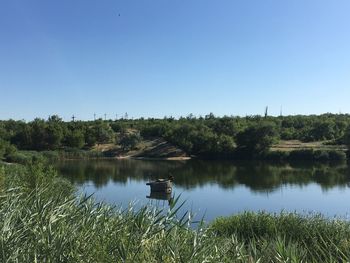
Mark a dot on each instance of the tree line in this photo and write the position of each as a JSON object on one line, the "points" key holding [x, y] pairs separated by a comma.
{"points": [[207, 136]]}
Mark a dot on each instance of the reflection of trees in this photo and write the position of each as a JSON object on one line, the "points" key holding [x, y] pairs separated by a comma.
{"points": [[256, 176]]}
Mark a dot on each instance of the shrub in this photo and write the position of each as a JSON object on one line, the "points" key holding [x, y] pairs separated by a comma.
{"points": [[257, 139], [75, 139], [6, 149], [51, 155], [74, 153], [128, 141], [24, 157]]}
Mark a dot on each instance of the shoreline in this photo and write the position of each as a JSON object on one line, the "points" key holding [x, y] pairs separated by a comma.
{"points": [[180, 158]]}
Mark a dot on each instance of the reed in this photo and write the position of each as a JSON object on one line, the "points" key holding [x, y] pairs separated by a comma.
{"points": [[42, 220]]}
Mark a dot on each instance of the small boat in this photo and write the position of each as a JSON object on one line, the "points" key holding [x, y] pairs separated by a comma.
{"points": [[161, 185]]}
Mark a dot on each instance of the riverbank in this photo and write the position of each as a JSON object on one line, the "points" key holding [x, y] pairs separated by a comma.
{"points": [[159, 149], [51, 224], [309, 155]]}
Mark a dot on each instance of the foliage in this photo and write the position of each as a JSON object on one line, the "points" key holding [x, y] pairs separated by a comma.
{"points": [[54, 132], [90, 136], [204, 137], [346, 137], [6, 149], [104, 133], [320, 238], [257, 139], [75, 139], [42, 220], [74, 153], [128, 141]]}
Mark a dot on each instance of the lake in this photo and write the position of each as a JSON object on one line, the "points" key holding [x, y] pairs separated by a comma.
{"points": [[218, 188]]}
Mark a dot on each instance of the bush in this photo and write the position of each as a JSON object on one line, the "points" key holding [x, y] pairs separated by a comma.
{"points": [[74, 153], [257, 139], [155, 130], [25, 157], [128, 141], [51, 155], [6, 149], [75, 139]]}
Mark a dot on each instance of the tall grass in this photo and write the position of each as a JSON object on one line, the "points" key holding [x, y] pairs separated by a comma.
{"points": [[319, 238], [41, 220], [27, 157]]}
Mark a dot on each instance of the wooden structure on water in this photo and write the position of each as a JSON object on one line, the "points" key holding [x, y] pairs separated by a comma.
{"points": [[161, 185], [161, 190]]}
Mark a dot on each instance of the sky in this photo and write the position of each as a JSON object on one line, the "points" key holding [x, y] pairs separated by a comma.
{"points": [[155, 58]]}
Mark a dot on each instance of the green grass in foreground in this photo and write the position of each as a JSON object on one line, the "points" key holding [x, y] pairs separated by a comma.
{"points": [[41, 220]]}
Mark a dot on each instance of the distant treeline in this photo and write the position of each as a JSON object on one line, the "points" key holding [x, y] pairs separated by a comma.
{"points": [[205, 137]]}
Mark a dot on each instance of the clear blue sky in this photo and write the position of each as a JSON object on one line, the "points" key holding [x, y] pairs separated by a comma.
{"points": [[157, 57]]}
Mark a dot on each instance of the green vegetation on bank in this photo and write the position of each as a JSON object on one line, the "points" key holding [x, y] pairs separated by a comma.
{"points": [[25, 157], [312, 235], [249, 137], [42, 220]]}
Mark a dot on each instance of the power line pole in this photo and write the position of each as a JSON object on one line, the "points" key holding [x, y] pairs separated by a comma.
{"points": [[73, 118], [94, 116]]}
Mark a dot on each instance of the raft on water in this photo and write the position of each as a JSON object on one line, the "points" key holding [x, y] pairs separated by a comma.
{"points": [[161, 185]]}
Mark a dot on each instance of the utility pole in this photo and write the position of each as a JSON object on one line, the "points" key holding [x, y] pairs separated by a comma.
{"points": [[281, 111], [116, 117], [266, 110], [73, 118], [94, 116], [105, 116]]}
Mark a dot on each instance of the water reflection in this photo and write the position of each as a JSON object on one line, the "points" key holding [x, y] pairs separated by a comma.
{"points": [[161, 196], [258, 177]]}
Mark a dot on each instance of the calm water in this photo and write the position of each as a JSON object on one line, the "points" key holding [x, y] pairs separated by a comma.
{"points": [[216, 188]]}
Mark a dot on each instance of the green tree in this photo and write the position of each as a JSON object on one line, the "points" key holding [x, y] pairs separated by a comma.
{"points": [[323, 130], [6, 148], [38, 134], [54, 132], [75, 139], [90, 136], [346, 137], [103, 132], [23, 137], [128, 141], [256, 139]]}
